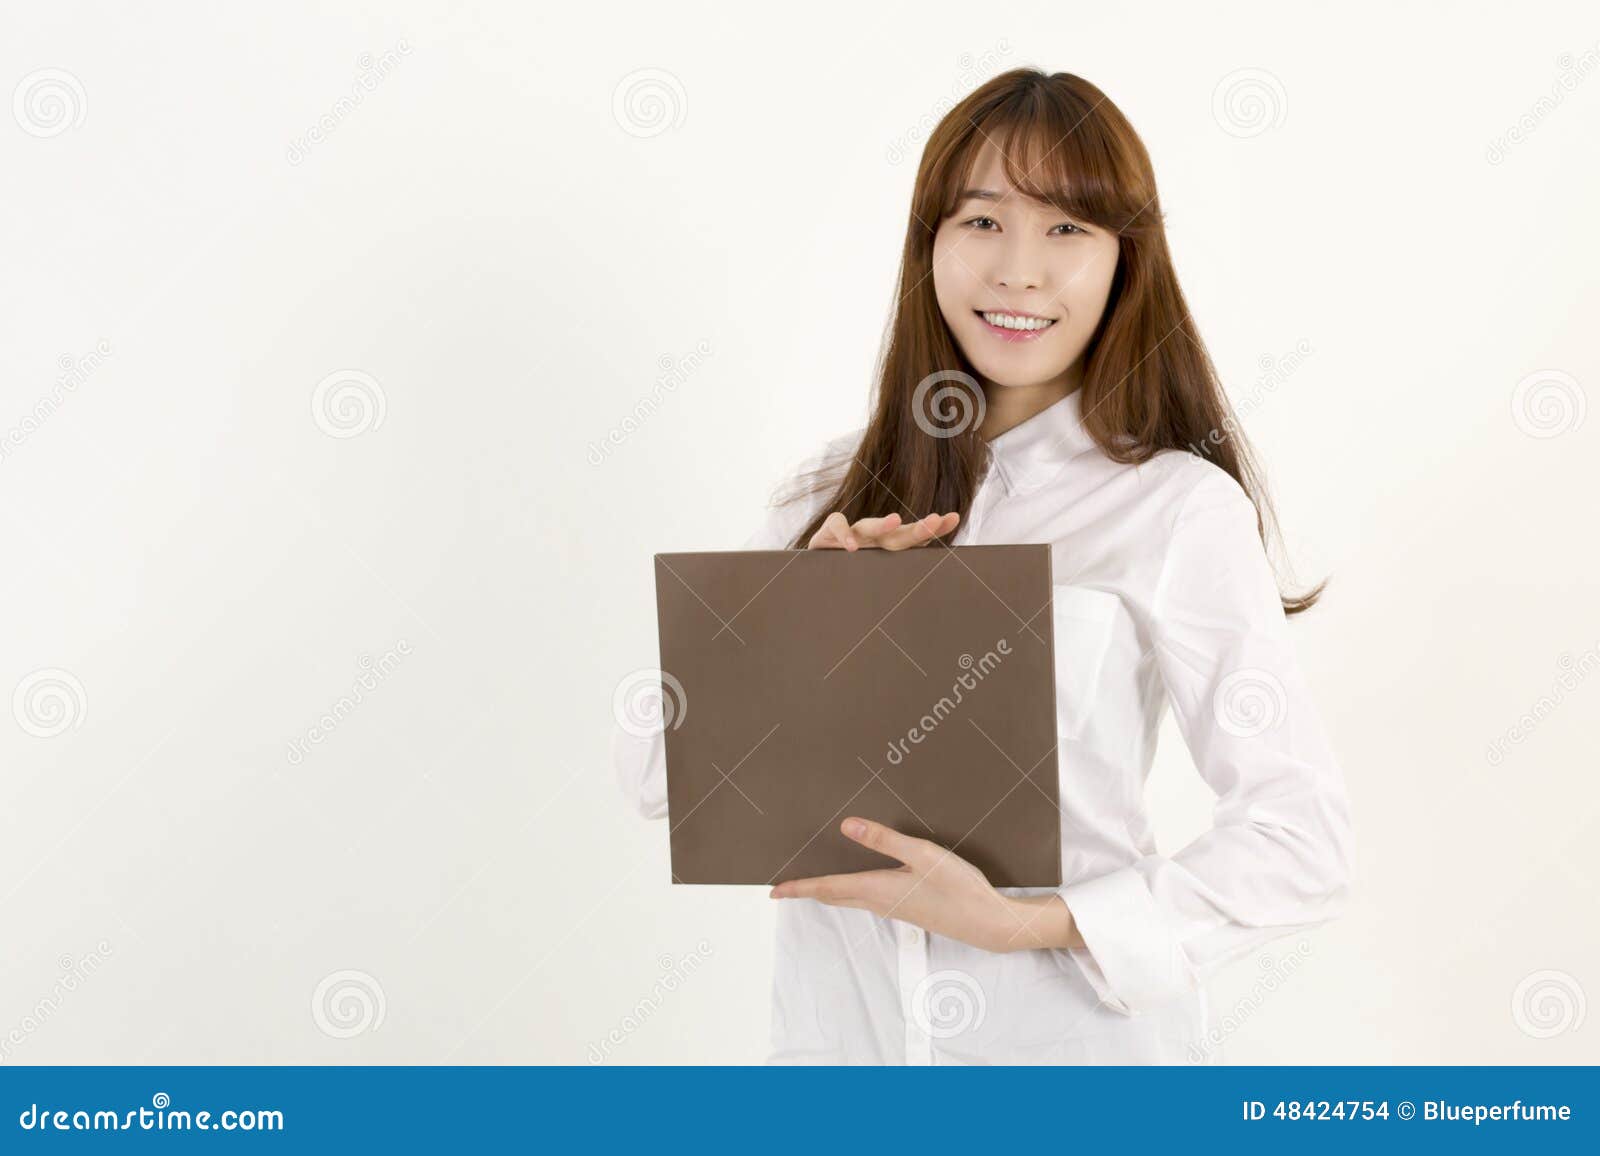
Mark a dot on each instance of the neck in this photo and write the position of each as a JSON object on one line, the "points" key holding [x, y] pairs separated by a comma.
{"points": [[1006, 406]]}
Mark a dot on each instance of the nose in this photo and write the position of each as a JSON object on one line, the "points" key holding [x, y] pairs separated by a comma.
{"points": [[1021, 265]]}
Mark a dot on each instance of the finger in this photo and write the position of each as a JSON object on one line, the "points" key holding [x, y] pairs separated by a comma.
{"points": [[875, 890], [916, 533], [858, 904], [837, 889], [869, 531], [909, 849], [922, 532], [833, 534]]}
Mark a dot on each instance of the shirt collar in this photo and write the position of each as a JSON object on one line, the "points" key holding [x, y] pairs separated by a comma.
{"points": [[1032, 452]]}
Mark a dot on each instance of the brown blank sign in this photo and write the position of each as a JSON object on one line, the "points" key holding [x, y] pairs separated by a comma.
{"points": [[914, 687]]}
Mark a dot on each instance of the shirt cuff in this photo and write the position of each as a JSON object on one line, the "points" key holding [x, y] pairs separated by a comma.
{"points": [[1132, 959], [639, 763]]}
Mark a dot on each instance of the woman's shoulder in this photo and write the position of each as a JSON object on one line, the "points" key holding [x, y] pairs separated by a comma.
{"points": [[1182, 482]]}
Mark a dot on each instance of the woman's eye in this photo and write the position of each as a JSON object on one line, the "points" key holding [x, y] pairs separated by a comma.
{"points": [[978, 222]]}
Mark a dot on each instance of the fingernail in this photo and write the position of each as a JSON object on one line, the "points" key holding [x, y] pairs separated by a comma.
{"points": [[855, 828]]}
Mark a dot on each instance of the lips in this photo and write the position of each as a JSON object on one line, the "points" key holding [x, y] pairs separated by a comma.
{"points": [[1013, 313], [1015, 333]]}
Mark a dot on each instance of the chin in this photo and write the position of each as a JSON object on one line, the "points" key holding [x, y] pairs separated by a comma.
{"points": [[1008, 376]]}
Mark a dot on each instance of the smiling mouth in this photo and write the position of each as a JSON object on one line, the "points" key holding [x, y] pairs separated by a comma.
{"points": [[1015, 322]]}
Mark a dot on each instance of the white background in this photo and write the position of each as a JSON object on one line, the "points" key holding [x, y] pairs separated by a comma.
{"points": [[512, 254]]}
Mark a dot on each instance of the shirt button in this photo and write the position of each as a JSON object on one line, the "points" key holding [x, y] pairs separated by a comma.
{"points": [[913, 935]]}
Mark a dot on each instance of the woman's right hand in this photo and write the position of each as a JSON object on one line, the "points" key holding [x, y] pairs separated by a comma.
{"points": [[886, 533]]}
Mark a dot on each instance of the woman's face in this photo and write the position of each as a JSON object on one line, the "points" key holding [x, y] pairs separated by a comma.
{"points": [[1001, 253]]}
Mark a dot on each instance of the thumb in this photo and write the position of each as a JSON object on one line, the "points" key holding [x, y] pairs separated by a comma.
{"points": [[887, 840]]}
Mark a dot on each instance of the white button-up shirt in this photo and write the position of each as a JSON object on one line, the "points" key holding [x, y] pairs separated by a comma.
{"points": [[1163, 597]]}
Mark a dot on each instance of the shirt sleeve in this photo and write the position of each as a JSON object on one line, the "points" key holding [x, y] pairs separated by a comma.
{"points": [[1278, 856], [638, 737]]}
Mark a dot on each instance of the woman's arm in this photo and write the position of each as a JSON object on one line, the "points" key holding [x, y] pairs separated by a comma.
{"points": [[1278, 856], [1047, 922]]}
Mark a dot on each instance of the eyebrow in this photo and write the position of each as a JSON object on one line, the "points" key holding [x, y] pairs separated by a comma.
{"points": [[984, 195], [990, 195]]}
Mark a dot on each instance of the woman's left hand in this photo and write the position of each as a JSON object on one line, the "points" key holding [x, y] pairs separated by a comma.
{"points": [[936, 889]]}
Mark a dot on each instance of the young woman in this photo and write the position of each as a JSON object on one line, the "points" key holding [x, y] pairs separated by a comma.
{"points": [[1044, 382]]}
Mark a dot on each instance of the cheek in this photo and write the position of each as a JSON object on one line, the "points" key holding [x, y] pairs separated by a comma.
{"points": [[1088, 284], [951, 281]]}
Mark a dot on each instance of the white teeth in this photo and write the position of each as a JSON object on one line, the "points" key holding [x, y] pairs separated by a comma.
{"points": [[1011, 321]]}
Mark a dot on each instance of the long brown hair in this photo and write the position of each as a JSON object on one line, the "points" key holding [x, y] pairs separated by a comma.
{"points": [[1148, 383]]}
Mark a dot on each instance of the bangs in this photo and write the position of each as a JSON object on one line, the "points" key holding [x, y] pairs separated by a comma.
{"points": [[1056, 153]]}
